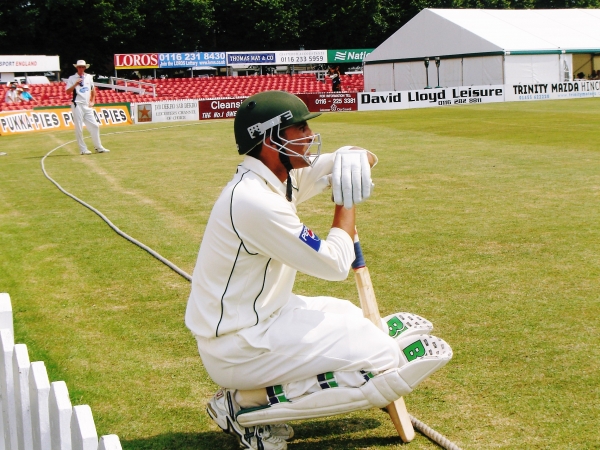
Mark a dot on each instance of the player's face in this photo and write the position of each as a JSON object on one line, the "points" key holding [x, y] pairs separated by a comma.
{"points": [[80, 69], [302, 135]]}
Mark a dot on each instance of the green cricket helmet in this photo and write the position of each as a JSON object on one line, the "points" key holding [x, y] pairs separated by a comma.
{"points": [[264, 115]]}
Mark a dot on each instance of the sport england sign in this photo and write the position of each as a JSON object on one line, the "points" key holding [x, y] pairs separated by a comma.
{"points": [[169, 111], [29, 63], [553, 91], [28, 121], [427, 98], [353, 55]]}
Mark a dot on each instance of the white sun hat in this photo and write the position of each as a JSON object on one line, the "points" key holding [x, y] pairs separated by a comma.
{"points": [[81, 62]]}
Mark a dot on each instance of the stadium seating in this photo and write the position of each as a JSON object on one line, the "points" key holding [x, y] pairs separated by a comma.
{"points": [[54, 94]]}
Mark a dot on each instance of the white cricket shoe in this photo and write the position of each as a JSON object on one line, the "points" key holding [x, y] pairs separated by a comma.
{"points": [[404, 324], [86, 152], [222, 408], [102, 150]]}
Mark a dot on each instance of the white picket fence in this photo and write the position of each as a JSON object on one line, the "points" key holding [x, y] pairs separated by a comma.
{"points": [[37, 414]]}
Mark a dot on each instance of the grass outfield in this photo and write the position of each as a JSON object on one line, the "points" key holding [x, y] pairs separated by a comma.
{"points": [[485, 220]]}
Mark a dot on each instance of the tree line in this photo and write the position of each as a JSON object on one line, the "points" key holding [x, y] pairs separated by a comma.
{"points": [[95, 30]]}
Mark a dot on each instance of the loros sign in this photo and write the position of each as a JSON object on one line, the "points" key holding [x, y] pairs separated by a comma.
{"points": [[136, 61]]}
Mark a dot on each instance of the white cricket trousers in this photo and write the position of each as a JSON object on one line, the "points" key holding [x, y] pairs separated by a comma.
{"points": [[311, 336], [84, 114]]}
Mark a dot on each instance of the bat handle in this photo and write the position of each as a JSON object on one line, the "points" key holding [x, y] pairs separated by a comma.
{"points": [[360, 259]]}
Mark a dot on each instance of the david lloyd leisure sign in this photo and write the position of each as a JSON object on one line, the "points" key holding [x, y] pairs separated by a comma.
{"points": [[427, 98]]}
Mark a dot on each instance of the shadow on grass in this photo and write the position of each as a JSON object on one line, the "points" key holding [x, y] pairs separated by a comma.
{"points": [[41, 156], [314, 435]]}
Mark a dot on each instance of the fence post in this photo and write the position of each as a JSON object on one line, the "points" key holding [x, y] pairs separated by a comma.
{"points": [[2, 426], [110, 442], [83, 429], [34, 414], [6, 315], [21, 366], [6, 323], [39, 392], [8, 390], [60, 408]]}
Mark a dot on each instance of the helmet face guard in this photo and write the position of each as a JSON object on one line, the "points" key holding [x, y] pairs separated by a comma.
{"points": [[272, 129]]}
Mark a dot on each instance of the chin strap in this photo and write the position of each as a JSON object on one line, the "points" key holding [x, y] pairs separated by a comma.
{"points": [[285, 160]]}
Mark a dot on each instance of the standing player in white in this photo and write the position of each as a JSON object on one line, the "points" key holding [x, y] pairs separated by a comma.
{"points": [[81, 85], [280, 356]]}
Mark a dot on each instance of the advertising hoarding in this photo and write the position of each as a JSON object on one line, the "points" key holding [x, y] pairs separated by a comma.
{"points": [[427, 98], [553, 91], [250, 58], [57, 118], [29, 63], [217, 59], [220, 108], [226, 108], [136, 61], [348, 55], [191, 59], [279, 58], [301, 57], [330, 101], [165, 111], [168, 60]]}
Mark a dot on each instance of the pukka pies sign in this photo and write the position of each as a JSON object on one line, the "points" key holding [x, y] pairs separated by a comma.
{"points": [[52, 119]]}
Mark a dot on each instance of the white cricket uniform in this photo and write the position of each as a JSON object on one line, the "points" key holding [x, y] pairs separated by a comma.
{"points": [[82, 112], [11, 96], [252, 331]]}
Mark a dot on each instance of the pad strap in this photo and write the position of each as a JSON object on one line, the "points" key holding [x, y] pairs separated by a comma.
{"points": [[379, 391], [327, 402]]}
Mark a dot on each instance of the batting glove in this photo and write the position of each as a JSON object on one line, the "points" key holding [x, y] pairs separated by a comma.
{"points": [[351, 177]]}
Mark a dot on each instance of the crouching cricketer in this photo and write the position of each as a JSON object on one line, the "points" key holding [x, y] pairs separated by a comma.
{"points": [[280, 356]]}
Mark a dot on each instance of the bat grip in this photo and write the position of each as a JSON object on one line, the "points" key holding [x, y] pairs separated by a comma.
{"points": [[360, 259]]}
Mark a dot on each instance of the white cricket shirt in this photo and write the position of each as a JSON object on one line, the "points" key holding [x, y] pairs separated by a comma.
{"points": [[81, 94], [253, 245]]}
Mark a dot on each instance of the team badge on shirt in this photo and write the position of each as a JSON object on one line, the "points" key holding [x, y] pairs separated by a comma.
{"points": [[310, 238]]}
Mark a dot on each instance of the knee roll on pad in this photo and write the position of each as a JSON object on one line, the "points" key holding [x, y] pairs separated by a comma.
{"points": [[406, 324]]}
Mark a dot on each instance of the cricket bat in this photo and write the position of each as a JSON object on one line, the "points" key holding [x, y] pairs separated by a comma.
{"points": [[368, 303]]}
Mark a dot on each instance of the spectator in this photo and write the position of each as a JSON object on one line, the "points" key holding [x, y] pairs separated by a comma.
{"points": [[81, 87], [336, 78], [594, 75], [26, 95], [12, 96]]}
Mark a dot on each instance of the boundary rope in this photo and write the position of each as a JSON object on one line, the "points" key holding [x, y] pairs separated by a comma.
{"points": [[423, 428]]}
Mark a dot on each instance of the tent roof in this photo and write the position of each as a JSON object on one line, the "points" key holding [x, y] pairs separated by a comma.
{"points": [[446, 32]]}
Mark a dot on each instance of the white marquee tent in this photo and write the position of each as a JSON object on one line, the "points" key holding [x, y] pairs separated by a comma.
{"points": [[486, 47]]}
